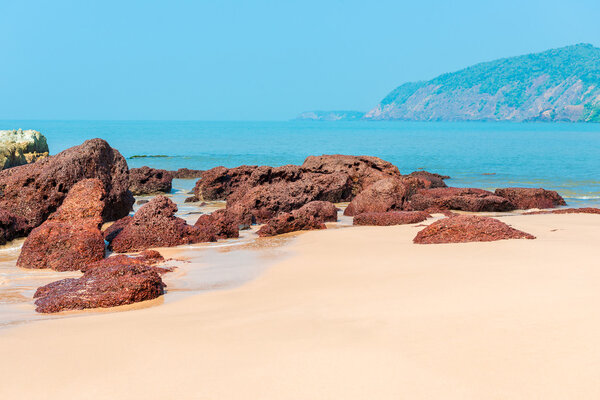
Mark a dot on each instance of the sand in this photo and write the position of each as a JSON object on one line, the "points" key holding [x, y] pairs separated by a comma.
{"points": [[356, 313]]}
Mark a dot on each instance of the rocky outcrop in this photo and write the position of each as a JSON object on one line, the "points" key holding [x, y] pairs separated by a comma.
{"points": [[468, 228], [34, 191], [186, 173], [146, 180], [107, 286], [430, 180], [261, 203], [70, 238], [11, 226], [312, 215], [390, 218], [115, 228], [19, 147], [465, 199], [390, 194], [222, 223], [362, 170], [525, 198], [321, 210], [155, 225]]}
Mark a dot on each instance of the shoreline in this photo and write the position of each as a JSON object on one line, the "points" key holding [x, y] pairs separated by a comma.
{"points": [[350, 313]]}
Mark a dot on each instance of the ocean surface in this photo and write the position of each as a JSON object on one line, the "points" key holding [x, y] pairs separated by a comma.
{"points": [[560, 156]]}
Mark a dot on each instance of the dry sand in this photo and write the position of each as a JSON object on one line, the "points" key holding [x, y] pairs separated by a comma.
{"points": [[358, 313]]}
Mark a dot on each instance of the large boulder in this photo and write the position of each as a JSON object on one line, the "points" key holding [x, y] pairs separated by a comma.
{"points": [[525, 198], [465, 199], [261, 203], [390, 218], [220, 182], [468, 228], [11, 226], [222, 222], [70, 238], [146, 180], [155, 225], [19, 147], [34, 191], [429, 179], [362, 170], [108, 286], [390, 194]]}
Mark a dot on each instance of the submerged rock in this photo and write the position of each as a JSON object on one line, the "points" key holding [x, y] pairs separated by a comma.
{"points": [[155, 225], [107, 286], [390, 218], [19, 147], [525, 198], [146, 180], [70, 238], [34, 191], [465, 199], [468, 228]]}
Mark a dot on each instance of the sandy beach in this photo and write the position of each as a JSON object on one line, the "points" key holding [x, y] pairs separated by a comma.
{"points": [[351, 313]]}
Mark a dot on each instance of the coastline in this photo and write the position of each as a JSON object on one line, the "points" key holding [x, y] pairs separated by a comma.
{"points": [[347, 313]]}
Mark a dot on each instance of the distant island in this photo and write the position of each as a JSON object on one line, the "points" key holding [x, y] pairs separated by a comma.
{"points": [[555, 85], [331, 115]]}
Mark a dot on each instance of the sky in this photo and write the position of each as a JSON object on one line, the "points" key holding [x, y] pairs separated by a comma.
{"points": [[255, 60]]}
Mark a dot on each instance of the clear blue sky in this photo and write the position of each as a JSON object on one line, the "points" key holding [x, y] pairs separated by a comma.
{"points": [[255, 60]]}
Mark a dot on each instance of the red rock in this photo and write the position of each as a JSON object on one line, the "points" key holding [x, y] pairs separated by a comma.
{"points": [[430, 180], [186, 173], [362, 170], [115, 228], [146, 180], [465, 199], [34, 191], [263, 202], [468, 228], [155, 225], [525, 198], [221, 222], [290, 222], [69, 238], [390, 218], [147, 258], [11, 226], [108, 286], [321, 210], [583, 210], [390, 194]]}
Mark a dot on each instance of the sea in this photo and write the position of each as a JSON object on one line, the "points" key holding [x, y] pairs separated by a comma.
{"points": [[558, 156]]}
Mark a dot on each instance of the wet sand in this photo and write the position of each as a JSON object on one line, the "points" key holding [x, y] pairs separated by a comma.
{"points": [[357, 313]]}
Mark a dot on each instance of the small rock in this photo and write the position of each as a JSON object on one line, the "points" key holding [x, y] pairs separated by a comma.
{"points": [[390, 218], [146, 180]]}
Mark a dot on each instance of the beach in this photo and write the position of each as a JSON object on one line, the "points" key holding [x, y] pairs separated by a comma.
{"points": [[351, 313]]}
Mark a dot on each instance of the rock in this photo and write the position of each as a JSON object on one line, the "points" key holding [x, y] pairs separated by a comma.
{"points": [[19, 147], [390, 194], [468, 228], [362, 170], [289, 222], [70, 238], [146, 180], [465, 199], [390, 218], [147, 258], [322, 210], [141, 201], [34, 191], [263, 202], [583, 210], [525, 198], [11, 226], [108, 286], [220, 182], [190, 199], [115, 228], [221, 222], [430, 180], [155, 225], [186, 173]]}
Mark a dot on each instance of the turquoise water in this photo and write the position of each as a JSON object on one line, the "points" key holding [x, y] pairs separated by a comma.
{"points": [[563, 157]]}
